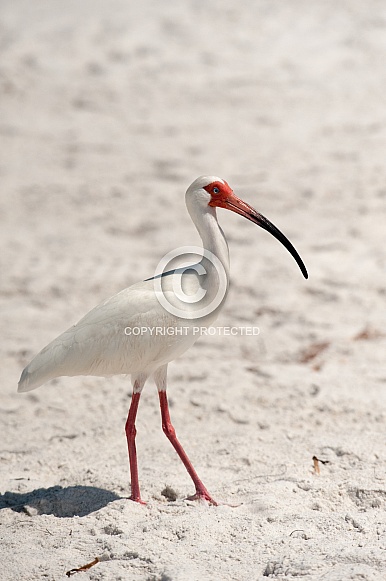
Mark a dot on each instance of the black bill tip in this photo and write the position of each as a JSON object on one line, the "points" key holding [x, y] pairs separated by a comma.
{"points": [[264, 223]]}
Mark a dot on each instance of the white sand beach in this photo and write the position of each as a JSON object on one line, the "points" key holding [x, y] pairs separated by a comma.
{"points": [[108, 111]]}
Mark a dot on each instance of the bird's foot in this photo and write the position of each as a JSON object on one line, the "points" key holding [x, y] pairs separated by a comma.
{"points": [[203, 495], [137, 499]]}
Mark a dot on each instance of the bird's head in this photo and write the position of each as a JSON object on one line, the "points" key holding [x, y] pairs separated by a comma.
{"points": [[213, 192]]}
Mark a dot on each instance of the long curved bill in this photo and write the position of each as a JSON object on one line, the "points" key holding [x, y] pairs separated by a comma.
{"points": [[240, 207]]}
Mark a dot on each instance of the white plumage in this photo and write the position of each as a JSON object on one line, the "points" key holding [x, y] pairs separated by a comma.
{"points": [[100, 345]]}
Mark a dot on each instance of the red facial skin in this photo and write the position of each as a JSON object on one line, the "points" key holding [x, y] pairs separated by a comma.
{"points": [[225, 198], [219, 199]]}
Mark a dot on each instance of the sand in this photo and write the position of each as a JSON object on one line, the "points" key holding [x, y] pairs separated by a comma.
{"points": [[109, 110]]}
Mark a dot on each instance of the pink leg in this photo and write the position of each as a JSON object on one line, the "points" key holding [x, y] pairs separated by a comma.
{"points": [[130, 435], [201, 491]]}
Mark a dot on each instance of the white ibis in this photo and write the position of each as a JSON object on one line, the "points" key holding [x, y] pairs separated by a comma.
{"points": [[102, 344]]}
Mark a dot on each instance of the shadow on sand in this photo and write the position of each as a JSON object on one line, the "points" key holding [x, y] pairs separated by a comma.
{"points": [[61, 502]]}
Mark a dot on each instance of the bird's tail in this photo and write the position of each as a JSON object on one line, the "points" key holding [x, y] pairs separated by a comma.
{"points": [[29, 381]]}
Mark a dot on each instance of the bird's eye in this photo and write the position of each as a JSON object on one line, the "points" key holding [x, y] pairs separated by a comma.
{"points": [[216, 190]]}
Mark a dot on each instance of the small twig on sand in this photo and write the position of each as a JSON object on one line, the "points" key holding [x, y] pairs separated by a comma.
{"points": [[316, 463], [84, 568]]}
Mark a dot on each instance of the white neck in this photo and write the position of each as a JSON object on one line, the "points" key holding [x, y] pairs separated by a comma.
{"points": [[211, 234]]}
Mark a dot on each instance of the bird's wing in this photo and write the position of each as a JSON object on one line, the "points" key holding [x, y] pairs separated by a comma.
{"points": [[96, 341]]}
